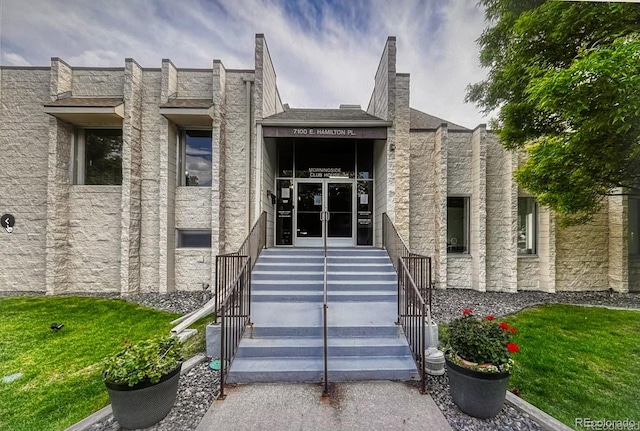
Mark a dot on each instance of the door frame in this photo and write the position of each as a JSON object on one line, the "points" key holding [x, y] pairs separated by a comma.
{"points": [[331, 242]]}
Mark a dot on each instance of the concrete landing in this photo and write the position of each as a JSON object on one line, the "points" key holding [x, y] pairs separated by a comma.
{"points": [[353, 406]]}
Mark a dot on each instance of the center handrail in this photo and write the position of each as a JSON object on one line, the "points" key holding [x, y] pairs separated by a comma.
{"points": [[325, 306]]}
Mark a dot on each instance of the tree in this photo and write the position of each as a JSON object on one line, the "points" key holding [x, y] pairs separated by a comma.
{"points": [[565, 77]]}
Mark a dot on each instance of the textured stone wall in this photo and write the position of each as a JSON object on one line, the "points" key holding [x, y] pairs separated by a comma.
{"points": [[479, 208], [528, 273], [151, 238], [94, 239], [193, 267], [547, 249], [382, 102], [440, 156], [192, 208], [271, 103], [218, 144], [423, 198], [100, 82], [402, 155], [24, 144], [618, 243], [268, 183], [459, 164], [459, 183], [194, 84], [380, 184], [131, 223], [236, 188], [501, 260], [582, 255]]}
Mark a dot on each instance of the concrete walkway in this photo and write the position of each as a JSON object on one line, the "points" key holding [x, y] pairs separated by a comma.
{"points": [[352, 406]]}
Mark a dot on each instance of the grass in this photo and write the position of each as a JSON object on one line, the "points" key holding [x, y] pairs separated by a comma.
{"points": [[579, 362], [61, 381]]}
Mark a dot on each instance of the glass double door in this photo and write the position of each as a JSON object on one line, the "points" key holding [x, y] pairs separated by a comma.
{"points": [[328, 199]]}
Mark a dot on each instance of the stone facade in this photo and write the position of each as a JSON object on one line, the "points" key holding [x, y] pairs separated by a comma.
{"points": [[71, 237]]}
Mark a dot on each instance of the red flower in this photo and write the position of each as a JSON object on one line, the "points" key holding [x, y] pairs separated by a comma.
{"points": [[504, 326], [467, 311], [489, 317], [513, 330], [512, 347]]}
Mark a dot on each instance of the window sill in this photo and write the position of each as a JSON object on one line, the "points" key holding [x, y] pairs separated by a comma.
{"points": [[528, 256]]}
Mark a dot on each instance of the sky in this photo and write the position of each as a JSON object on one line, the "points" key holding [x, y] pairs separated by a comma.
{"points": [[325, 52]]}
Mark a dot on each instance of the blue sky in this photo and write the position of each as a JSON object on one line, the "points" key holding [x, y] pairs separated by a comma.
{"points": [[325, 52]]}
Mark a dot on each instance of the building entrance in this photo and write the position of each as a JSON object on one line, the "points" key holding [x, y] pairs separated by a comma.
{"points": [[325, 199]]}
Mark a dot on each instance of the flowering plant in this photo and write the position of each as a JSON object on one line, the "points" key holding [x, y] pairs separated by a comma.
{"points": [[483, 344]]}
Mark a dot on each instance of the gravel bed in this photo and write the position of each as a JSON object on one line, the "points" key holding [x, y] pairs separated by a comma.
{"points": [[199, 387]]}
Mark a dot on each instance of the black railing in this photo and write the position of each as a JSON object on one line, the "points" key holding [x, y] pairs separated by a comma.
{"points": [[324, 216], [228, 269], [233, 293], [234, 316], [414, 293]]}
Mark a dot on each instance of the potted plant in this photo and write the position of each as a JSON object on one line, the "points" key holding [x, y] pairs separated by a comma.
{"points": [[142, 381], [479, 363]]}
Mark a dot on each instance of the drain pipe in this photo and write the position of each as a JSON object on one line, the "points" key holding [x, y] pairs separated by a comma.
{"points": [[247, 86]]}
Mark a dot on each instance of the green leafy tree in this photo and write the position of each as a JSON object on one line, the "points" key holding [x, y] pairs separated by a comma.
{"points": [[565, 79]]}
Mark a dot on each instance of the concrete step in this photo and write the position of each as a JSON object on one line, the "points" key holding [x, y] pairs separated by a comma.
{"points": [[265, 331], [317, 296], [313, 346], [310, 369], [317, 285]]}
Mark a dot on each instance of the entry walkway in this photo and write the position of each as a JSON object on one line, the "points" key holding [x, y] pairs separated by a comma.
{"points": [[352, 406]]}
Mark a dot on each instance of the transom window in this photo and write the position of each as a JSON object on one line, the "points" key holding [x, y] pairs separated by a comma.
{"points": [[98, 157], [527, 225], [458, 225], [634, 225], [195, 158]]}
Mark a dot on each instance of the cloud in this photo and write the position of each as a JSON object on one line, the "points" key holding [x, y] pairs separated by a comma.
{"points": [[325, 52], [13, 59]]}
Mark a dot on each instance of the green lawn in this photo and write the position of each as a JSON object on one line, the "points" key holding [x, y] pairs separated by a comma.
{"points": [[579, 362], [61, 383]]}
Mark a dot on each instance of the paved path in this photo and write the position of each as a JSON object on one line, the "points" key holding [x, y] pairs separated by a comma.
{"points": [[353, 406]]}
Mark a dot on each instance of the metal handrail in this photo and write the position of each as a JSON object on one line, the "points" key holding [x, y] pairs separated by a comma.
{"points": [[234, 318], [325, 307], [412, 317], [252, 245], [414, 284]]}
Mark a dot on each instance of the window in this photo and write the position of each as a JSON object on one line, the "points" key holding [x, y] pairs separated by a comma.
{"points": [[194, 238], [634, 225], [458, 225], [195, 158], [98, 157], [527, 221]]}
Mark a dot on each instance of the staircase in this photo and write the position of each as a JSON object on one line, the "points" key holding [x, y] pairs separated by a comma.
{"points": [[285, 341]]}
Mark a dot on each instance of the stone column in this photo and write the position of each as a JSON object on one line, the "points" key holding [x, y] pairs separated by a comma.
{"points": [[479, 209], [440, 264], [131, 179], [58, 183]]}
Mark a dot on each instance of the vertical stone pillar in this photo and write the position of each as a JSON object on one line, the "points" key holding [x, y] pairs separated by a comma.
{"points": [[166, 186], [402, 155], [479, 209], [547, 249], [441, 156], [510, 269], [217, 165], [58, 183], [618, 244], [131, 179]]}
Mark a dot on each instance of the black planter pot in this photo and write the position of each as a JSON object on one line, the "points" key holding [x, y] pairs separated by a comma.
{"points": [[145, 403], [477, 394]]}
